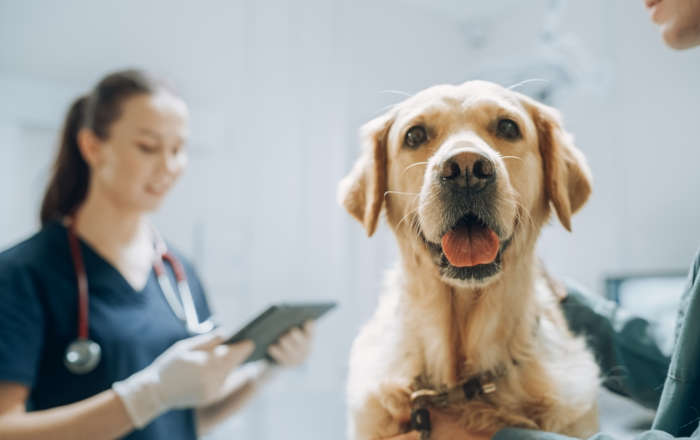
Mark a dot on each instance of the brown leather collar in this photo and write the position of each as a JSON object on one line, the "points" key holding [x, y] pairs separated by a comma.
{"points": [[477, 385], [423, 398]]}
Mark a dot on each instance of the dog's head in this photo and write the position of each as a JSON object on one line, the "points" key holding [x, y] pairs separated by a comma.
{"points": [[465, 173]]}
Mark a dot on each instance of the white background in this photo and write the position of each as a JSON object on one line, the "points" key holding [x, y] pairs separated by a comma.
{"points": [[277, 91]]}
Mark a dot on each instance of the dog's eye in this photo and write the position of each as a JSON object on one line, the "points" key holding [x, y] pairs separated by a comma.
{"points": [[415, 136], [508, 129]]}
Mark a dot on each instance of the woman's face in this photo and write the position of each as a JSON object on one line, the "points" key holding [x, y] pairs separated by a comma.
{"points": [[679, 21], [144, 153]]}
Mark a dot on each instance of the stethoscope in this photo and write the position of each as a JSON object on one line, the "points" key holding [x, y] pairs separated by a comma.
{"points": [[83, 354]]}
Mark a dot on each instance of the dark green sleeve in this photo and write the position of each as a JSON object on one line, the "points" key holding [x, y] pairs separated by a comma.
{"points": [[528, 434], [626, 347]]}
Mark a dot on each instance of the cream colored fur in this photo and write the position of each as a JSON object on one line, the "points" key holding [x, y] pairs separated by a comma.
{"points": [[449, 329]]}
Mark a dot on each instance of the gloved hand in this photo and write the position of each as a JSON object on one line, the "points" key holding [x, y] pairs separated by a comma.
{"points": [[294, 346], [190, 373]]}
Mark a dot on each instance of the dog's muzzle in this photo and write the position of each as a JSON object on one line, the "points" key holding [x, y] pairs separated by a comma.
{"points": [[470, 230]]}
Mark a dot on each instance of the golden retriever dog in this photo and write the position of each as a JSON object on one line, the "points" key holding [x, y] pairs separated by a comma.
{"points": [[467, 175]]}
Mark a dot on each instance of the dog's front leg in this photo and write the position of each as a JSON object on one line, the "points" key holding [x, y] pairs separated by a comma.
{"points": [[382, 413]]}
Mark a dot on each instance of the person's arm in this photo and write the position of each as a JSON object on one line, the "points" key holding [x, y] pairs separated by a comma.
{"points": [[619, 340], [444, 429], [21, 339], [102, 416], [625, 346], [528, 434], [191, 373]]}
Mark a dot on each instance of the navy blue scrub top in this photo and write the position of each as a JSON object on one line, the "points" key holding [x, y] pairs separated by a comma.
{"points": [[38, 319]]}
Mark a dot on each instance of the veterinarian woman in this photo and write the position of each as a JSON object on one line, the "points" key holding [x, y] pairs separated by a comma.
{"points": [[626, 343], [122, 360]]}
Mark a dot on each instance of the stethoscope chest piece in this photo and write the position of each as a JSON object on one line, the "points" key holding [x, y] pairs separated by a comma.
{"points": [[82, 356]]}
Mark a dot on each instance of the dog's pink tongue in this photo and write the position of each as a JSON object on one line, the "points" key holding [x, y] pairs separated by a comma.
{"points": [[467, 246]]}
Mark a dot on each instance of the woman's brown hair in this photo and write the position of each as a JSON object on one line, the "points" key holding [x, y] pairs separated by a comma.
{"points": [[97, 111]]}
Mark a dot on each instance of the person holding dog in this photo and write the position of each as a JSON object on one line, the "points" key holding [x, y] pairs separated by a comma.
{"points": [[121, 362], [623, 342]]}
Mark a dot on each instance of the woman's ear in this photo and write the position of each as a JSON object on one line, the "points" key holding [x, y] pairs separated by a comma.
{"points": [[567, 177], [361, 192], [89, 146]]}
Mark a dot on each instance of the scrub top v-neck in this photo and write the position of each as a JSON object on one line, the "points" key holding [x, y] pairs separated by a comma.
{"points": [[38, 319]]}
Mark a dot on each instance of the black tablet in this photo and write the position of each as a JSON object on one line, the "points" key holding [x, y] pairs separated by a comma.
{"points": [[277, 320]]}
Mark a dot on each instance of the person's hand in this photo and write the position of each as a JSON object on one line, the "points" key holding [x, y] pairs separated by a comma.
{"points": [[444, 427], [190, 373], [293, 347]]}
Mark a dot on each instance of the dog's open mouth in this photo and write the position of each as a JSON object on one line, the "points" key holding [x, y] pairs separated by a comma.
{"points": [[470, 242], [470, 249]]}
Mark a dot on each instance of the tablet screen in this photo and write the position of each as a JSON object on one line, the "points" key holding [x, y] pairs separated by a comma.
{"points": [[275, 321]]}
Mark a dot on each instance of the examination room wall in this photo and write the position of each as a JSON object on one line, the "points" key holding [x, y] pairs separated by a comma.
{"points": [[277, 91]]}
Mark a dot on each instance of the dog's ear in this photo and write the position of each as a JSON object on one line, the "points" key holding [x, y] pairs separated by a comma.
{"points": [[567, 177], [362, 191]]}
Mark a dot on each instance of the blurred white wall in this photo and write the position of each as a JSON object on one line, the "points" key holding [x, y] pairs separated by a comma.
{"points": [[277, 91]]}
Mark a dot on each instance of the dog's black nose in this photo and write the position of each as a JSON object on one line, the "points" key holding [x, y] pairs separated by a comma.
{"points": [[469, 170]]}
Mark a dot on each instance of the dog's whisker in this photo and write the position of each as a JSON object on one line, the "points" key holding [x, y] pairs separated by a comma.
{"points": [[400, 193], [396, 92], [412, 212], [527, 81], [511, 157], [415, 225], [413, 165], [386, 108], [522, 212], [432, 196]]}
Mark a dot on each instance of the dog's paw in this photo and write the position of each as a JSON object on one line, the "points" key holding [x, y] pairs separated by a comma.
{"points": [[396, 398], [385, 412]]}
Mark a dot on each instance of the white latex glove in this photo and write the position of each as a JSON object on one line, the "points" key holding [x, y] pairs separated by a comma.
{"points": [[294, 346], [190, 373]]}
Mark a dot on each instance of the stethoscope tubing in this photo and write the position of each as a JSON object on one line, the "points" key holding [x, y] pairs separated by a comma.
{"points": [[185, 308], [82, 280], [83, 355]]}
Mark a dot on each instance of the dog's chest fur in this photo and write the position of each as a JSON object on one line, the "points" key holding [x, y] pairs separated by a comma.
{"points": [[425, 329]]}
